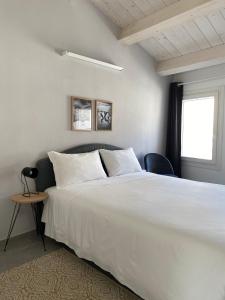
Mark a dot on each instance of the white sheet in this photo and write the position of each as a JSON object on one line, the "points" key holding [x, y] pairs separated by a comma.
{"points": [[161, 236]]}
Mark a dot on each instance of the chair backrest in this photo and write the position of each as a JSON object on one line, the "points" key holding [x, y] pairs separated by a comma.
{"points": [[157, 163]]}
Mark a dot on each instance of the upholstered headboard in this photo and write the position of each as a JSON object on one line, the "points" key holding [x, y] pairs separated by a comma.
{"points": [[46, 177]]}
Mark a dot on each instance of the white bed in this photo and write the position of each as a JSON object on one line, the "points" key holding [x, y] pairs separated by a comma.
{"points": [[163, 237]]}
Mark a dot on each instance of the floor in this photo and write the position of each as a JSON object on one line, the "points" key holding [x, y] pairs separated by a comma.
{"points": [[24, 248]]}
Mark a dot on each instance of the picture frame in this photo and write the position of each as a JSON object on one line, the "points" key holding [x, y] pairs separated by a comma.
{"points": [[103, 115], [81, 114]]}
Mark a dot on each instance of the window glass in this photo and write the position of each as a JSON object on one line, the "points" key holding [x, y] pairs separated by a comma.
{"points": [[198, 127]]}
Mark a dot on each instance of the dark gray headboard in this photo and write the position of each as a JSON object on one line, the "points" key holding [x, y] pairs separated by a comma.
{"points": [[46, 177]]}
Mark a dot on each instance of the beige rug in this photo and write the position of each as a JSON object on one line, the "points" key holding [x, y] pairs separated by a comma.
{"points": [[60, 275]]}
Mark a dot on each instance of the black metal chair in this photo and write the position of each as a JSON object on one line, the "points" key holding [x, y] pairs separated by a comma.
{"points": [[159, 164]]}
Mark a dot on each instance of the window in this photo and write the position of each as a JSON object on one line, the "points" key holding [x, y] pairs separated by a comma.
{"points": [[199, 118]]}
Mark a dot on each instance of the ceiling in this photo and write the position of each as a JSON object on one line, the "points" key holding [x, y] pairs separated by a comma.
{"points": [[185, 36]]}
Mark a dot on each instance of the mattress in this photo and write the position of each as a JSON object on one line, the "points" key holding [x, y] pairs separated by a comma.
{"points": [[163, 237]]}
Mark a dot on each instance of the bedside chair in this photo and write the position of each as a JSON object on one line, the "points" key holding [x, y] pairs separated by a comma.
{"points": [[159, 164]]}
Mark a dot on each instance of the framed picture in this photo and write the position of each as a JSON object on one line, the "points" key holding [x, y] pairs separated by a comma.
{"points": [[82, 114], [103, 115]]}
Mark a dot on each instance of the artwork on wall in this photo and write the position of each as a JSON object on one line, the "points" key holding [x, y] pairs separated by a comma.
{"points": [[82, 114], [103, 115]]}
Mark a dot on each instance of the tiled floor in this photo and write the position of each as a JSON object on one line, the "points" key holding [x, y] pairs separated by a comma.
{"points": [[24, 248]]}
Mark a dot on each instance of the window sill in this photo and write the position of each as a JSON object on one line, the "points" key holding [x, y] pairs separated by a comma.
{"points": [[200, 163]]}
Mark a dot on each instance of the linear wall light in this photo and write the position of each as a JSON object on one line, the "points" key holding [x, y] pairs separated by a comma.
{"points": [[91, 60]]}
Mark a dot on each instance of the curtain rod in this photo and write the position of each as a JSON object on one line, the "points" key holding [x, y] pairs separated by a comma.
{"points": [[202, 80]]}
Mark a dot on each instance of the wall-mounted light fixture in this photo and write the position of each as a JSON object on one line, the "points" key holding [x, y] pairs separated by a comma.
{"points": [[91, 60]]}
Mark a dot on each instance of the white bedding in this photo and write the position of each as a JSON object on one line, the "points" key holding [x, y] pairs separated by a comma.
{"points": [[163, 237]]}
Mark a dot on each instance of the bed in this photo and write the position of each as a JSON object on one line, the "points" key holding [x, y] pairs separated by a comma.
{"points": [[162, 237]]}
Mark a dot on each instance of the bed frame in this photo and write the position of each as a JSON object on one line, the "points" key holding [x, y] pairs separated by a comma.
{"points": [[46, 177]]}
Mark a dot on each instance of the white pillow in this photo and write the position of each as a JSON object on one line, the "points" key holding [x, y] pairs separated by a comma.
{"points": [[76, 168], [119, 162]]}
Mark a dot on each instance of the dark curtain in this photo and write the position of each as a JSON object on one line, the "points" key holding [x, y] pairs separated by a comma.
{"points": [[173, 144]]}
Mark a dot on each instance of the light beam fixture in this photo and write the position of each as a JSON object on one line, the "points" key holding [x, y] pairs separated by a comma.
{"points": [[91, 60]]}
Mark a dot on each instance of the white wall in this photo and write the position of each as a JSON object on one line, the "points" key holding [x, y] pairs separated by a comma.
{"points": [[201, 173], [36, 84]]}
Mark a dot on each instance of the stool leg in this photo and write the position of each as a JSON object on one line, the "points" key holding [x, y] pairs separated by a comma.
{"points": [[38, 223], [12, 223], [35, 217]]}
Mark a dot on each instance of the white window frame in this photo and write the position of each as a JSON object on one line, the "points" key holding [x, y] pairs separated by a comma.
{"points": [[214, 163]]}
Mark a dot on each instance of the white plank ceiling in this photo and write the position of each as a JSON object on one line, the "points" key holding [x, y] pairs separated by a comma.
{"points": [[125, 12], [201, 32]]}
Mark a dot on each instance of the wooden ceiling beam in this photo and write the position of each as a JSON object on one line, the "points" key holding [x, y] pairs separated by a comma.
{"points": [[170, 16], [197, 60]]}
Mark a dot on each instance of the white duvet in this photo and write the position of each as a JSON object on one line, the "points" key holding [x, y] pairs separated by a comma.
{"points": [[163, 237]]}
